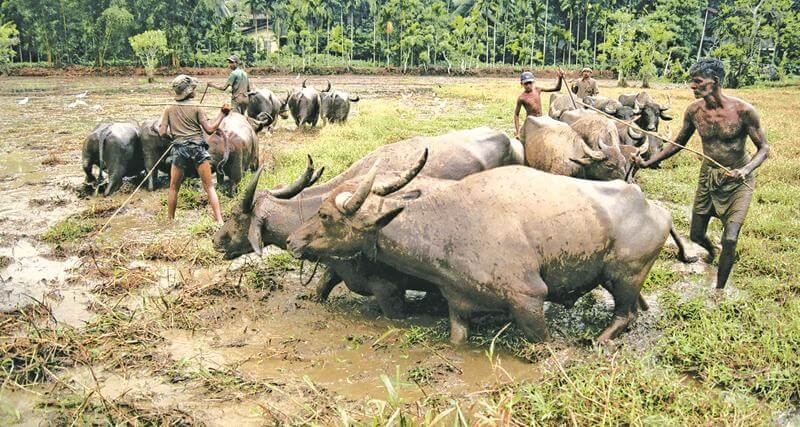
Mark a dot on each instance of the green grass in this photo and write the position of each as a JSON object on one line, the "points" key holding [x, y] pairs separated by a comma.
{"points": [[68, 230]]}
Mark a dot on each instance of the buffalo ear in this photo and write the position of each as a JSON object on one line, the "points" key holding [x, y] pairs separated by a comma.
{"points": [[383, 219], [583, 161], [254, 235]]}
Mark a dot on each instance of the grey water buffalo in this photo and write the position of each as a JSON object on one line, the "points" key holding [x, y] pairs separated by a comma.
{"points": [[606, 105], [560, 103], [265, 107], [305, 105], [335, 106], [553, 146], [269, 216], [153, 147], [114, 148], [233, 149], [649, 117], [504, 240]]}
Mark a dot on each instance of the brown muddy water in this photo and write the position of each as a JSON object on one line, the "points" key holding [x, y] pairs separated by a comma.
{"points": [[232, 354]]}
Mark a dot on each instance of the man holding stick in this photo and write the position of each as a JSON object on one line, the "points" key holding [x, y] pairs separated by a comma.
{"points": [[186, 122], [725, 186]]}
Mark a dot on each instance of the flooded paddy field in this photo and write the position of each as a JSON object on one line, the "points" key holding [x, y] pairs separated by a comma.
{"points": [[145, 323]]}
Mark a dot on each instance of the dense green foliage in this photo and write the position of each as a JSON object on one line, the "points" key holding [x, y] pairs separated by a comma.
{"points": [[637, 39]]}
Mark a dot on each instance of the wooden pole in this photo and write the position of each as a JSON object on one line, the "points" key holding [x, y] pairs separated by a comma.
{"points": [[569, 91]]}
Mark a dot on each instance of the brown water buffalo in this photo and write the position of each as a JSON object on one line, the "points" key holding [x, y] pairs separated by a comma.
{"points": [[233, 149], [606, 105], [114, 148], [504, 240], [153, 148], [269, 216], [553, 146]]}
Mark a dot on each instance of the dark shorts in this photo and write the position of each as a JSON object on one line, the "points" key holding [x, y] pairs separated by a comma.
{"points": [[721, 196], [189, 154]]}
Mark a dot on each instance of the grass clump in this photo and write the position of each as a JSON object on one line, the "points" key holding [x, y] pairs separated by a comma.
{"points": [[743, 343], [68, 230]]}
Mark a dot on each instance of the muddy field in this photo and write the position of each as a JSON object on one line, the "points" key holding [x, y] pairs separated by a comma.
{"points": [[145, 323]]}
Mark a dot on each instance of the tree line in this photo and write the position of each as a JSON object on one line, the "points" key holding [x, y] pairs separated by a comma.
{"points": [[634, 38]]}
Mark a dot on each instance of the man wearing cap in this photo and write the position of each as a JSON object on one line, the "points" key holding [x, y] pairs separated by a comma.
{"points": [[531, 98], [187, 123], [586, 86], [239, 84]]}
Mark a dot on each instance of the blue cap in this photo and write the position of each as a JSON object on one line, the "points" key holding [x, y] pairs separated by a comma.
{"points": [[526, 77]]}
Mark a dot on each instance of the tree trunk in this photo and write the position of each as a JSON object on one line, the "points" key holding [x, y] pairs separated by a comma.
{"points": [[255, 26], [621, 82], [594, 56], [569, 39], [544, 39]]}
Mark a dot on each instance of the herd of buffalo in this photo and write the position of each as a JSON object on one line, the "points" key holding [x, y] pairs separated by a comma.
{"points": [[132, 148], [484, 221]]}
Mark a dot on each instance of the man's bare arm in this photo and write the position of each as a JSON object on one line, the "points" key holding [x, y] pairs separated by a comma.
{"points": [[210, 128], [516, 117], [759, 138], [557, 86], [220, 87], [162, 128], [683, 138]]}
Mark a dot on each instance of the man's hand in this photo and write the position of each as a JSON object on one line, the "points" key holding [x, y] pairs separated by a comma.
{"points": [[226, 108], [738, 174]]}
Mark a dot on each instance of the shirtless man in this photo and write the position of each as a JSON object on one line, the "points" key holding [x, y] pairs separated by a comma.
{"points": [[724, 123], [531, 98]]}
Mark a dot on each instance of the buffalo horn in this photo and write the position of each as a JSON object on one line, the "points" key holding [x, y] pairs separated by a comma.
{"points": [[316, 176], [402, 180], [634, 133], [355, 200], [669, 104], [356, 99], [328, 89], [248, 199], [594, 154], [304, 82], [298, 185], [642, 149], [637, 108]]}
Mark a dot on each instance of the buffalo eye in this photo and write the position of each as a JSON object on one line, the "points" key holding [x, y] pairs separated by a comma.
{"points": [[323, 216]]}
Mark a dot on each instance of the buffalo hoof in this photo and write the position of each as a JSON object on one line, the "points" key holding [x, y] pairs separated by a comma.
{"points": [[686, 259]]}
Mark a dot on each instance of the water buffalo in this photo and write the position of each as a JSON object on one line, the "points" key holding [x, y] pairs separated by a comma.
{"points": [[114, 148], [269, 216], [606, 105], [304, 105], [153, 147], [335, 106], [233, 148], [648, 119], [265, 107], [553, 146], [503, 240], [560, 103]]}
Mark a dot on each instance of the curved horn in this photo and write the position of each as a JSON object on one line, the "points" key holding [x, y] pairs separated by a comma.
{"points": [[254, 234], [637, 108], [249, 195], [601, 144], [634, 134], [669, 104], [328, 89], [304, 82], [316, 176], [590, 152], [402, 180], [642, 149], [298, 185], [354, 202], [356, 99]]}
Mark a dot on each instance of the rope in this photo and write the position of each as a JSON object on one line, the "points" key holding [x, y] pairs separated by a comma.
{"points": [[654, 134], [134, 191]]}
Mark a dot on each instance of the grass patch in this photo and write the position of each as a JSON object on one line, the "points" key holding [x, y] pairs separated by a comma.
{"points": [[68, 230]]}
